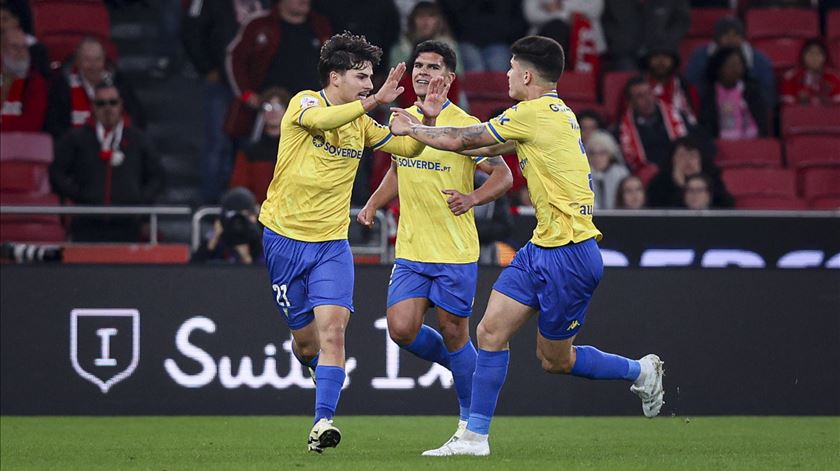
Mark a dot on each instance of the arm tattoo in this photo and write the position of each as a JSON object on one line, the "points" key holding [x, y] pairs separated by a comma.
{"points": [[467, 137]]}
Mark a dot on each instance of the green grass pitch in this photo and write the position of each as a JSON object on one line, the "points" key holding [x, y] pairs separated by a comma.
{"points": [[522, 443]]}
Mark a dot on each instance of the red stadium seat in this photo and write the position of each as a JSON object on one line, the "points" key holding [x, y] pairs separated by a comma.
{"points": [[832, 25], [578, 86], [770, 202], [24, 177], [26, 146], [782, 23], [829, 203], [71, 17], [31, 232], [808, 151], [810, 120], [703, 21], [492, 85], [821, 182], [782, 52], [23, 199], [614, 83], [762, 152], [834, 52], [484, 109], [760, 182]]}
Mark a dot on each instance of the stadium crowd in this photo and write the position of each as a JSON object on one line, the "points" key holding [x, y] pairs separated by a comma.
{"points": [[682, 104]]}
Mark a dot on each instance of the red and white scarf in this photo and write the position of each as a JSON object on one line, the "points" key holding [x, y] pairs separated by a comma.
{"points": [[12, 108], [671, 93], [584, 57], [109, 152], [631, 143], [81, 94]]}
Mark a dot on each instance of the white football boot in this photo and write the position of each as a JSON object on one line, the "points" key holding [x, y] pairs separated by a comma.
{"points": [[649, 385], [469, 444], [323, 435]]}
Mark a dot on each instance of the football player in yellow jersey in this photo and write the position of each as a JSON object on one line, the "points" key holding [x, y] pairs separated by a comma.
{"points": [[437, 241], [307, 210], [555, 274]]}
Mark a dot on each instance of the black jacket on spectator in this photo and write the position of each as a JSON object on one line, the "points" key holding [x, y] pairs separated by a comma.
{"points": [[375, 21], [485, 22], [59, 105], [663, 191], [633, 26], [709, 116], [208, 28], [78, 174]]}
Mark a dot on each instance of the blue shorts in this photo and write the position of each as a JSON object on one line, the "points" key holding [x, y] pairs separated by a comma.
{"points": [[558, 282], [451, 286], [308, 274]]}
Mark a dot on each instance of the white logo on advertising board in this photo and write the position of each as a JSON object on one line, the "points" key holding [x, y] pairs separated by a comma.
{"points": [[104, 344]]}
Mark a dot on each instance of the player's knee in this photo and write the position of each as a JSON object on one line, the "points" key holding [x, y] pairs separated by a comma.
{"points": [[489, 338], [555, 365], [455, 335], [307, 349], [402, 333], [332, 334]]}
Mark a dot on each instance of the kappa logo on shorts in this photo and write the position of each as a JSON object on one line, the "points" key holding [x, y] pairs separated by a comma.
{"points": [[104, 344], [573, 325]]}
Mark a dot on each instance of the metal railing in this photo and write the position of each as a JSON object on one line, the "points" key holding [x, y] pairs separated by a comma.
{"points": [[152, 211], [381, 248]]}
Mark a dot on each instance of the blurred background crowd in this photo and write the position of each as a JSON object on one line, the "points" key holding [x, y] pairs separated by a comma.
{"points": [[682, 104]]}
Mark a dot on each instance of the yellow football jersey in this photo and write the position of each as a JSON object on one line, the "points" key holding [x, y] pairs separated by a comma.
{"points": [[320, 147], [553, 161], [428, 231]]}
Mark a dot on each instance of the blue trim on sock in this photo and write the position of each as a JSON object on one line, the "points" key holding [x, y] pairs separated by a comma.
{"points": [[490, 372], [462, 365], [429, 346], [594, 364], [328, 390]]}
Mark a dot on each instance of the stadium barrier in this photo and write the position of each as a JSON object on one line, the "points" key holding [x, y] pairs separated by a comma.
{"points": [[186, 339]]}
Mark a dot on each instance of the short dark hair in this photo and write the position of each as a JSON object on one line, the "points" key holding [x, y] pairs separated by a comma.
{"points": [[719, 58], [632, 82], [346, 51], [438, 47], [106, 83], [545, 54]]}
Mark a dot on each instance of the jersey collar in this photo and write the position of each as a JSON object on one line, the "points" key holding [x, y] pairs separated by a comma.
{"points": [[552, 94], [445, 104], [324, 96]]}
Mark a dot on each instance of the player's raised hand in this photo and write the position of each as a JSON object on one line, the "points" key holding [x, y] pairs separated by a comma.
{"points": [[367, 216], [402, 121], [459, 203], [391, 89], [436, 96]]}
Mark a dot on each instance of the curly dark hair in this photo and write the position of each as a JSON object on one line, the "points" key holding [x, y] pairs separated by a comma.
{"points": [[344, 52]]}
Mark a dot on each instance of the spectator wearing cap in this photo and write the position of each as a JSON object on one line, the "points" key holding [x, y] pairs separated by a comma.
{"points": [[729, 32], [106, 163], [23, 90], [71, 93], [811, 83], [235, 237], [640, 25]]}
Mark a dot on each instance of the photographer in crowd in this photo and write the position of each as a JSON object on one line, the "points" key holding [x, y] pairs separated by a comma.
{"points": [[236, 234]]}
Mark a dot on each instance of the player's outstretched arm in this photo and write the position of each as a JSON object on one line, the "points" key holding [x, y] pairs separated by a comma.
{"points": [[497, 149], [496, 185], [325, 119], [445, 138], [387, 191]]}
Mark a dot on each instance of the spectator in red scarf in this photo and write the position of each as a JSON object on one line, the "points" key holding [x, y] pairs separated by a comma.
{"points": [[648, 127], [71, 93], [106, 163], [660, 66], [575, 24], [24, 90], [812, 83]]}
